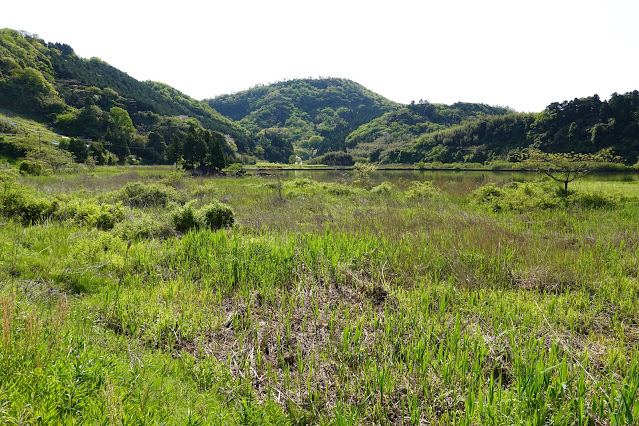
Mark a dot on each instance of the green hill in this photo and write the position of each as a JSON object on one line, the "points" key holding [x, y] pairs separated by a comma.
{"points": [[382, 138], [154, 123], [49, 82], [297, 110], [585, 125]]}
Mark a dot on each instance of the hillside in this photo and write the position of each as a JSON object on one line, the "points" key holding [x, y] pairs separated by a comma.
{"points": [[125, 120], [329, 108], [49, 82], [585, 125], [381, 138]]}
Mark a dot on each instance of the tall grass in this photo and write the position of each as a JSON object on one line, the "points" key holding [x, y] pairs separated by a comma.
{"points": [[329, 304]]}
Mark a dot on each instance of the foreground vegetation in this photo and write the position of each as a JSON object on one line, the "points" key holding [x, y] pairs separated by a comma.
{"points": [[132, 296]]}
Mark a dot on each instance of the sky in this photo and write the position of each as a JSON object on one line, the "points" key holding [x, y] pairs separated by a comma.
{"points": [[518, 53]]}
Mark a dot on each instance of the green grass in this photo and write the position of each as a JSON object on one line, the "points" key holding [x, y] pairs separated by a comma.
{"points": [[324, 304], [28, 128]]}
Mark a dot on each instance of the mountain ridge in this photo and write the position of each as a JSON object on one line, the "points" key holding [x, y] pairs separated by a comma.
{"points": [[291, 119]]}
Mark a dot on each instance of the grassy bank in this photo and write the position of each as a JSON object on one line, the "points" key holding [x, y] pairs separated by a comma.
{"points": [[324, 303]]}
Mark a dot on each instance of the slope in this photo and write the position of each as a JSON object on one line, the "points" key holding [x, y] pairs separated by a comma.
{"points": [[329, 108], [49, 81], [381, 138]]}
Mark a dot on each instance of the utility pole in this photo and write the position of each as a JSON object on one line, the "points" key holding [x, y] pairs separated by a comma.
{"points": [[39, 141]]}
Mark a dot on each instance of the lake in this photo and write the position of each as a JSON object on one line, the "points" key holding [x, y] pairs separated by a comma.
{"points": [[455, 181]]}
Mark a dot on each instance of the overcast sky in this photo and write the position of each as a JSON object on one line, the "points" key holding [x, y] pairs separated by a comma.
{"points": [[522, 54]]}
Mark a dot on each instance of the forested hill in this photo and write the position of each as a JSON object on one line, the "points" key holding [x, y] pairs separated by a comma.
{"points": [[76, 95], [585, 125], [133, 121], [382, 138], [296, 110]]}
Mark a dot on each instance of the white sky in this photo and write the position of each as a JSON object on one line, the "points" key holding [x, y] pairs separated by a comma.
{"points": [[522, 54]]}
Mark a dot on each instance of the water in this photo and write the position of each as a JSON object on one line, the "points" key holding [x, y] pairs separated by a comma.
{"points": [[455, 181]]}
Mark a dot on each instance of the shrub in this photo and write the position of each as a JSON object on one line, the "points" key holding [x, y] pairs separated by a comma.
{"points": [[592, 199], [300, 183], [51, 158], [173, 179], [138, 194], [102, 216], [337, 158], [384, 188], [487, 194], [35, 209], [106, 216], [422, 190], [18, 203], [143, 226], [184, 217], [216, 215], [521, 197], [235, 169], [32, 168], [340, 189]]}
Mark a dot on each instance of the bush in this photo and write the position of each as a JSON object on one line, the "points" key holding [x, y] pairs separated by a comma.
{"points": [[143, 226], [32, 168], [102, 216], [173, 179], [235, 169], [305, 186], [522, 197], [18, 203], [384, 188], [487, 194], [340, 189], [213, 216], [592, 199], [184, 218], [106, 216], [138, 194], [216, 215], [337, 158], [422, 190]]}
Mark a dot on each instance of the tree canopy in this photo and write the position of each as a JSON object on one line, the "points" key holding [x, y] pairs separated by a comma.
{"points": [[565, 167]]}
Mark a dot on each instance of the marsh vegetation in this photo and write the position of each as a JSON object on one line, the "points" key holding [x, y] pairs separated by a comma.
{"points": [[142, 296]]}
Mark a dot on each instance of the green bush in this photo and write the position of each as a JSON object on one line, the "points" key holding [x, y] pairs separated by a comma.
{"points": [[213, 216], [384, 188], [32, 168], [143, 226], [299, 183], [173, 179], [184, 217], [592, 199], [422, 190], [337, 158], [138, 194], [522, 197], [106, 216], [487, 194], [27, 207], [216, 215], [83, 212], [340, 189], [235, 169]]}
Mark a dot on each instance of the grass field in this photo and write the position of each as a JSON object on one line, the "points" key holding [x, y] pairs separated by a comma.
{"points": [[324, 303]]}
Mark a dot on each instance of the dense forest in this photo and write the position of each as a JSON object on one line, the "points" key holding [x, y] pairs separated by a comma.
{"points": [[326, 120], [90, 99], [316, 115], [585, 125], [382, 139]]}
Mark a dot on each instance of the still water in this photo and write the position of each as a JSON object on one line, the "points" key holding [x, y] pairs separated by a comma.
{"points": [[461, 181]]}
